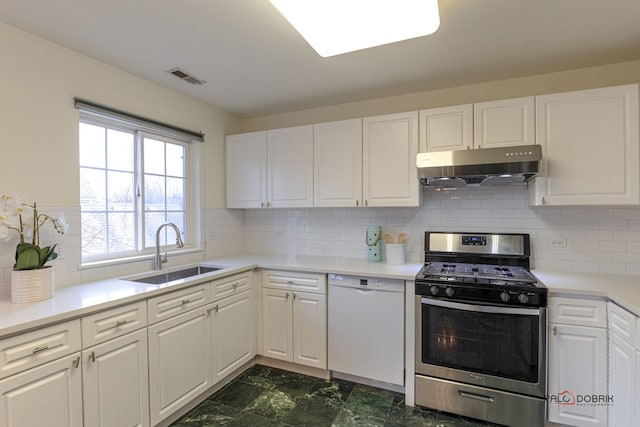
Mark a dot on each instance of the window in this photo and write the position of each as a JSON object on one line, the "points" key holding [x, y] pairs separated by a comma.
{"points": [[131, 181]]}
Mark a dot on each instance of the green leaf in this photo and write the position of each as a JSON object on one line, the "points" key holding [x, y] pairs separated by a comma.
{"points": [[27, 257]]}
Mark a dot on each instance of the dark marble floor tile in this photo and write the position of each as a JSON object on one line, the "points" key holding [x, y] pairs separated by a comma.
{"points": [[354, 418], [237, 394], [401, 415], [247, 419], [294, 384], [272, 404], [261, 376], [335, 390], [314, 412], [365, 401], [208, 414]]}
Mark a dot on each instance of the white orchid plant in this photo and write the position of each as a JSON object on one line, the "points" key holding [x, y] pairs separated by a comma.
{"points": [[25, 220]]}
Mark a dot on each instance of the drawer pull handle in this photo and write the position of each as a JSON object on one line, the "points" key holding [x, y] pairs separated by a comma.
{"points": [[216, 308], [123, 322], [555, 330], [186, 301], [92, 357], [76, 362], [290, 282], [39, 349], [476, 396]]}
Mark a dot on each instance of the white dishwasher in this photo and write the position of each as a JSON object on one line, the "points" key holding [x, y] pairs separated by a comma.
{"points": [[366, 327]]}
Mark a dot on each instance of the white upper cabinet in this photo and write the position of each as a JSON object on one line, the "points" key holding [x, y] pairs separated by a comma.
{"points": [[447, 128], [390, 147], [270, 168], [290, 167], [504, 123], [590, 147], [501, 123], [338, 164], [246, 161]]}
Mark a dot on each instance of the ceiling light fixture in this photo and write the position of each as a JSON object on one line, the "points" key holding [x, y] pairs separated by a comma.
{"points": [[333, 27]]}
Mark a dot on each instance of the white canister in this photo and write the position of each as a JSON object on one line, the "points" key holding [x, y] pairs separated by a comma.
{"points": [[394, 254]]}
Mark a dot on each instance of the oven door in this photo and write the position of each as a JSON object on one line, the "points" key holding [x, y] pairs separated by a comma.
{"points": [[491, 346]]}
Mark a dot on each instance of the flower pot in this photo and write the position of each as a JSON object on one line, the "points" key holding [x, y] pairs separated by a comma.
{"points": [[32, 285]]}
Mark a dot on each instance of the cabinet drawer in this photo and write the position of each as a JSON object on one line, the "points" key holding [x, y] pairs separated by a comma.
{"points": [[621, 322], [34, 348], [103, 326], [578, 311], [171, 304], [306, 282], [231, 285]]}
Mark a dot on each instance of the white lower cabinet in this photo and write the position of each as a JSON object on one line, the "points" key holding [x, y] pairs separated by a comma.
{"points": [[179, 361], [48, 395], [577, 361], [233, 333], [622, 380], [116, 382], [294, 327]]}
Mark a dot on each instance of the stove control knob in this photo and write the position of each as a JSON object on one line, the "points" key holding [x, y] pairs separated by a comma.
{"points": [[434, 290], [449, 292], [523, 298], [504, 296]]}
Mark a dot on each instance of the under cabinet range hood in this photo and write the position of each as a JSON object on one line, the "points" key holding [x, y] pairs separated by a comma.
{"points": [[482, 166]]}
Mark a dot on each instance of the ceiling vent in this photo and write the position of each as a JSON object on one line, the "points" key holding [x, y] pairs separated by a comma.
{"points": [[187, 77]]}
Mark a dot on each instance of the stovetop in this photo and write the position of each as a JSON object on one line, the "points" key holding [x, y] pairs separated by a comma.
{"points": [[490, 269]]}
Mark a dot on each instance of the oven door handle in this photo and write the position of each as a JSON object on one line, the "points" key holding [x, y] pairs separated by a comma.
{"points": [[482, 308], [489, 399]]}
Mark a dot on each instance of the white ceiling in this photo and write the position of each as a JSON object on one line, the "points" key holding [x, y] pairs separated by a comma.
{"points": [[256, 64]]}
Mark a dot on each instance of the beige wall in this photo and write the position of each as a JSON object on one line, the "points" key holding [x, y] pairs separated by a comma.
{"points": [[39, 124], [606, 75]]}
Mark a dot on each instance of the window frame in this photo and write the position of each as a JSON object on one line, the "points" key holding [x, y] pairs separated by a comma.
{"points": [[192, 230]]}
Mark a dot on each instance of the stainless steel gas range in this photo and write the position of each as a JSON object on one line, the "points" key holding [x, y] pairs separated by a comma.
{"points": [[481, 322]]}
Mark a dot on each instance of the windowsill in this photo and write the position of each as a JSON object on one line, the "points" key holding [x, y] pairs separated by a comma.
{"points": [[136, 258]]}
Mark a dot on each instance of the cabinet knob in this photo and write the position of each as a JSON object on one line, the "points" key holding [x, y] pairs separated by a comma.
{"points": [[262, 204], [286, 295], [216, 308], [357, 203], [555, 330], [76, 362], [92, 357], [543, 201]]}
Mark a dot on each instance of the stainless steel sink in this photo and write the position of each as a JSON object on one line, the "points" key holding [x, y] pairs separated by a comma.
{"points": [[170, 276]]}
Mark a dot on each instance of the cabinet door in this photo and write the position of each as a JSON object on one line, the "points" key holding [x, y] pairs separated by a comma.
{"points": [[590, 147], [277, 332], [48, 395], [447, 128], [504, 123], [179, 361], [233, 333], [246, 162], [390, 147], [337, 166], [577, 366], [310, 329], [290, 167], [622, 366], [116, 382]]}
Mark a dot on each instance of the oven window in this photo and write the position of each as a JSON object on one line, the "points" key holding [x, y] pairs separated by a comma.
{"points": [[503, 345]]}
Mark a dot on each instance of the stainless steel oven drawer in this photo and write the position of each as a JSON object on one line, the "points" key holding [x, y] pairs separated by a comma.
{"points": [[481, 403]]}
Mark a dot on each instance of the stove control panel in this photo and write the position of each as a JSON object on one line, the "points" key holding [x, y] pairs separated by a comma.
{"points": [[501, 295]]}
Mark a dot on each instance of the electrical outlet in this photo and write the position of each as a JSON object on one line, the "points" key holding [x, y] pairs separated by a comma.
{"points": [[558, 243]]}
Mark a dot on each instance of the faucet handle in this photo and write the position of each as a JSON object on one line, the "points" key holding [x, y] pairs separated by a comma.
{"points": [[163, 258]]}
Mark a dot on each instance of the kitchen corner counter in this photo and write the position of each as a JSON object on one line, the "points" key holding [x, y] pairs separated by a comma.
{"points": [[82, 299], [622, 290]]}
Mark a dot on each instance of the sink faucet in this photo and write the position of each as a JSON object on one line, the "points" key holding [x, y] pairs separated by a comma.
{"points": [[159, 259]]}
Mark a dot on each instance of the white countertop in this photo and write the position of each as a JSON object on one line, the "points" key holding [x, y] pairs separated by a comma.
{"points": [[78, 300], [623, 290], [75, 301]]}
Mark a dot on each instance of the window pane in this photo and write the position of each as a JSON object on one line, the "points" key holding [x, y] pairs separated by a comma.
{"points": [[121, 191], [92, 147], [175, 194], [94, 238], [153, 156], [121, 232], [152, 220], [120, 150], [92, 189], [175, 160], [154, 193]]}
